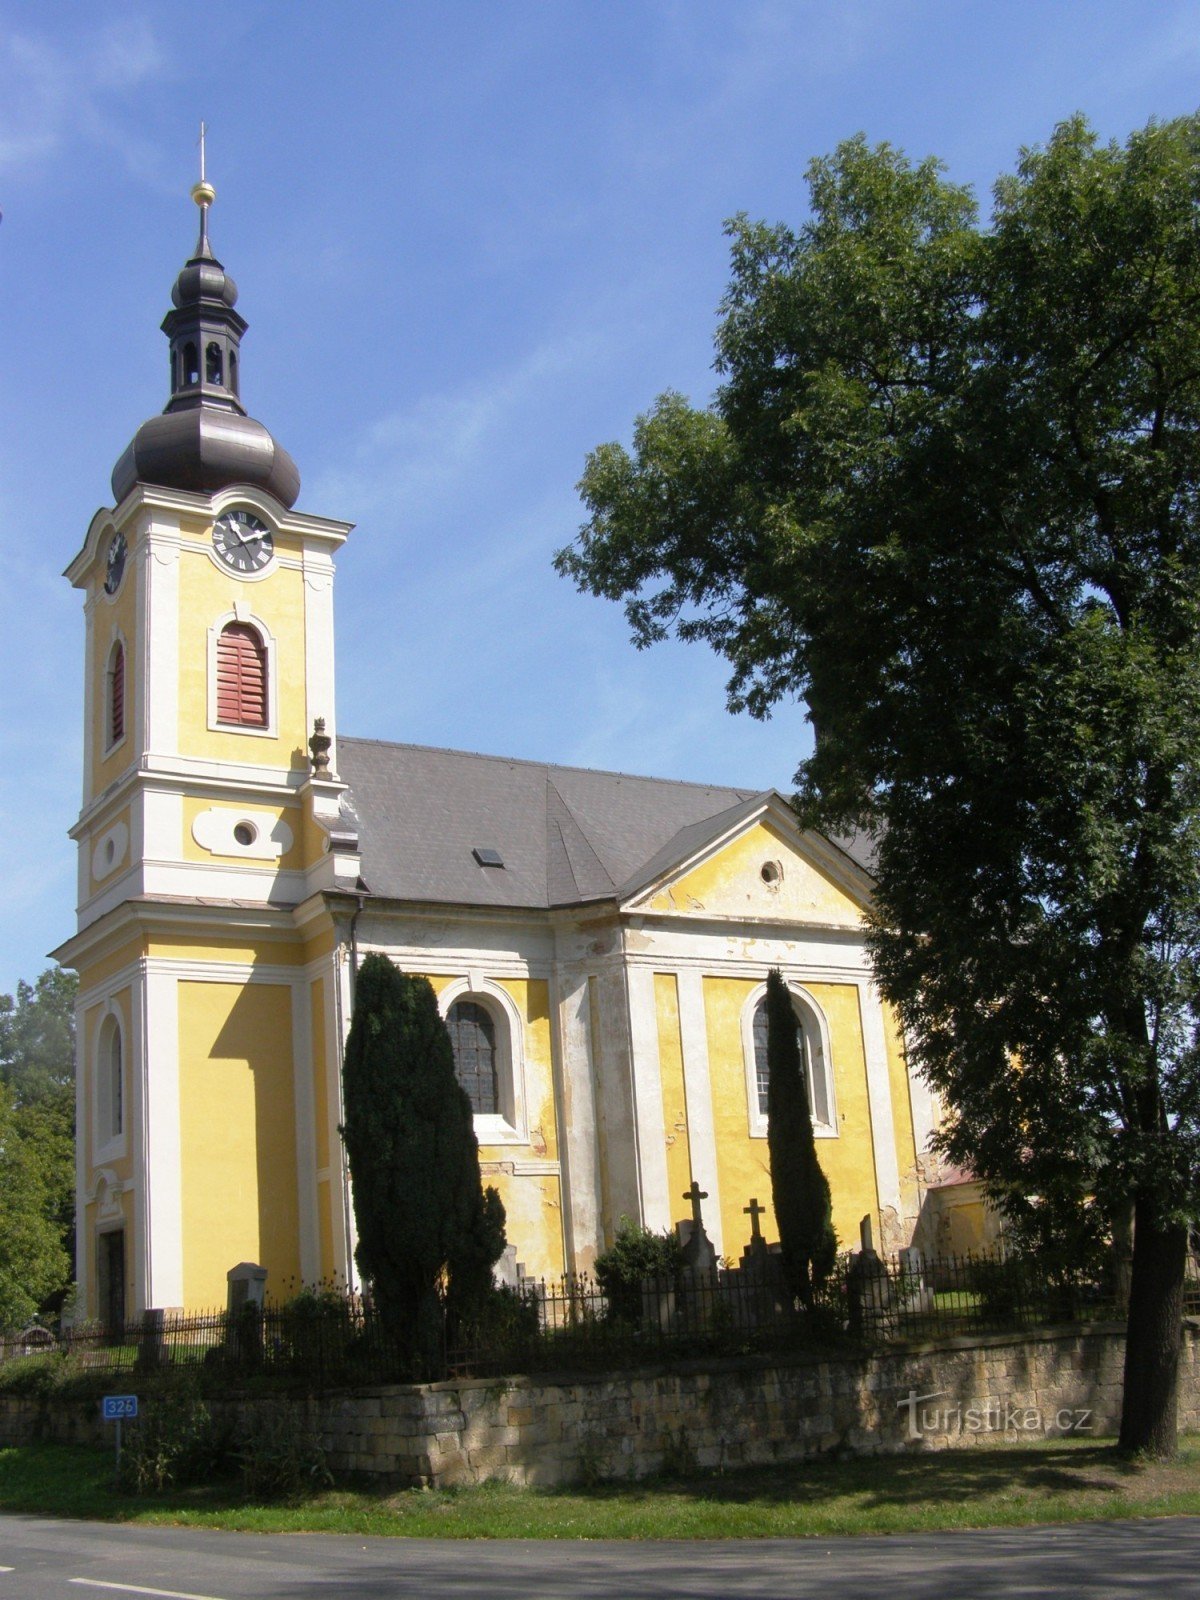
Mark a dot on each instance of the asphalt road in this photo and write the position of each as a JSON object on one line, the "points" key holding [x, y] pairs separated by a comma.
{"points": [[47, 1560]]}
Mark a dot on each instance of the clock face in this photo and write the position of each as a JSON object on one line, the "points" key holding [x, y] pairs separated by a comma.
{"points": [[115, 569], [242, 541]]}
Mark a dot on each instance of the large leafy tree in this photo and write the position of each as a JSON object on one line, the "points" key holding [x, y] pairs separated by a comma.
{"points": [[37, 1144], [425, 1224], [949, 493], [799, 1188]]}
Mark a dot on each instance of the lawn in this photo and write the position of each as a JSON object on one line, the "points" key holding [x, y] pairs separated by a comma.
{"points": [[987, 1486]]}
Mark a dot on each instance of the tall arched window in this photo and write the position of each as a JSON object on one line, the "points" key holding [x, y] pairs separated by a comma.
{"points": [[812, 1038], [212, 363], [241, 676], [110, 1083], [114, 696], [233, 371], [473, 1036], [191, 364]]}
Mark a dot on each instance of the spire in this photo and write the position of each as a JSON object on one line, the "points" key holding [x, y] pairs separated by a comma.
{"points": [[204, 440], [203, 194]]}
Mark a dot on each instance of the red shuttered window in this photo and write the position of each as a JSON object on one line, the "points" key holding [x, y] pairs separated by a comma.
{"points": [[241, 677], [116, 695]]}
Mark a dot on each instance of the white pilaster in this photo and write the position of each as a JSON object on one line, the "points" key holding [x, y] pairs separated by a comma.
{"points": [[582, 1199], [879, 1098], [159, 1251], [697, 1089], [318, 643], [158, 618], [649, 1120], [306, 1142]]}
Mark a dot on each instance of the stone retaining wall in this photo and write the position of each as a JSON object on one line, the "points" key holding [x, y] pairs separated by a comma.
{"points": [[712, 1414], [742, 1412]]}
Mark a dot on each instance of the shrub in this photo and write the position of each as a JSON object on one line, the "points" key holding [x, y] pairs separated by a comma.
{"points": [[175, 1442], [635, 1255], [279, 1452]]}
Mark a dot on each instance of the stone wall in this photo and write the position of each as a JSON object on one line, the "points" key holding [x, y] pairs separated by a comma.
{"points": [[743, 1412], [960, 1392]]}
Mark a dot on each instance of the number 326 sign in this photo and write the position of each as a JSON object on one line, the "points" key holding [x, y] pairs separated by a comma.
{"points": [[119, 1407]]}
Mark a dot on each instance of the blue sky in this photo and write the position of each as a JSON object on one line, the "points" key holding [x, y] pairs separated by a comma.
{"points": [[473, 241]]}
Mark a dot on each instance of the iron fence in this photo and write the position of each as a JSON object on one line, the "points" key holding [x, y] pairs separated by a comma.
{"points": [[326, 1340]]}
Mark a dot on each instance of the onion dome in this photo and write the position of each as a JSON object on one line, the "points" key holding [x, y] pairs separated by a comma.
{"points": [[204, 441]]}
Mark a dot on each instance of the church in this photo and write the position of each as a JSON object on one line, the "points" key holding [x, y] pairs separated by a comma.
{"points": [[599, 942]]}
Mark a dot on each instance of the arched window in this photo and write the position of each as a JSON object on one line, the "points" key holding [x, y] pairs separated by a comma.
{"points": [[110, 1083], [473, 1036], [233, 371], [241, 676], [114, 696], [191, 364], [212, 363], [812, 1038]]}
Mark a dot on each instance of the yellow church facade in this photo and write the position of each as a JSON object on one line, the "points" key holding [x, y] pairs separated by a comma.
{"points": [[599, 942]]}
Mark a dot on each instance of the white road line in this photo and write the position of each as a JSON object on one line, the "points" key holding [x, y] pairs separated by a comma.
{"points": [[133, 1588]]}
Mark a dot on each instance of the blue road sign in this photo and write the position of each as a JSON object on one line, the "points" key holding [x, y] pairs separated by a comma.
{"points": [[118, 1407]]}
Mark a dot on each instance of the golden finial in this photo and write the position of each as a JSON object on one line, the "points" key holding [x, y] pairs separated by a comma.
{"points": [[203, 194]]}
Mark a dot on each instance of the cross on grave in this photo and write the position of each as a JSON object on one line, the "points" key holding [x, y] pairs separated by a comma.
{"points": [[754, 1211], [695, 1194]]}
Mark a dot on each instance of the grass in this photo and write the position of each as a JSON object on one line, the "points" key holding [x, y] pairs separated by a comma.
{"points": [[987, 1486]]}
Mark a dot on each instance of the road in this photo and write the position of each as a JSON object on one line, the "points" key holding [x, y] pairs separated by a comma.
{"points": [[42, 1559]]}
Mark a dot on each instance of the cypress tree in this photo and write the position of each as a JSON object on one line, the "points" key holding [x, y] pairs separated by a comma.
{"points": [[423, 1217], [799, 1188]]}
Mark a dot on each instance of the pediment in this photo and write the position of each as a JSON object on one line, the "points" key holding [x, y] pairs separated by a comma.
{"points": [[765, 869]]}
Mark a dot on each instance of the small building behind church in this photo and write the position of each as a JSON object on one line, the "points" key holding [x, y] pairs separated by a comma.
{"points": [[599, 942]]}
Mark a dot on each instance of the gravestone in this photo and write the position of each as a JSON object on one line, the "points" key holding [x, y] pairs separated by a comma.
{"points": [[869, 1287], [246, 1292]]}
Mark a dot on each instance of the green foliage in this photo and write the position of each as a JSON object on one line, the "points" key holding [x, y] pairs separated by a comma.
{"points": [[37, 1145], [37, 1036], [34, 1264], [635, 1255], [176, 1441], [278, 1451], [799, 1188], [423, 1218], [949, 493]]}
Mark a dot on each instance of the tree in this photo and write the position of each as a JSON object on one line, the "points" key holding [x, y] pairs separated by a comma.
{"points": [[34, 1265], [949, 493], [37, 1073], [424, 1221], [799, 1189]]}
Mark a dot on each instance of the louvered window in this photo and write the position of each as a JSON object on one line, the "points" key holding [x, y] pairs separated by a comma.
{"points": [[473, 1035], [116, 695], [241, 677]]}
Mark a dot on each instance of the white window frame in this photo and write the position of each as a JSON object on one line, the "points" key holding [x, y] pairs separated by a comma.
{"points": [[510, 1125], [109, 1146], [814, 1027], [242, 613]]}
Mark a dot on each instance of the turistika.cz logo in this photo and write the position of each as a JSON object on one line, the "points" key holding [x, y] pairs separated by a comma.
{"points": [[988, 1416]]}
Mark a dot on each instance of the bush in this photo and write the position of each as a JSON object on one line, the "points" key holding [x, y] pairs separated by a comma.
{"points": [[175, 1442], [279, 1452], [635, 1255]]}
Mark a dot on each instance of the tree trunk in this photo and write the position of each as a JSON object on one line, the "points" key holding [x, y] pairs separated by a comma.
{"points": [[1153, 1333]]}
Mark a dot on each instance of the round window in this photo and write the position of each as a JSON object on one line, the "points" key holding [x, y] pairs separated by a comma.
{"points": [[771, 873], [245, 833]]}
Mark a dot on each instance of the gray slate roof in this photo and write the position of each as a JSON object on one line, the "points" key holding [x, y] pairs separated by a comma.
{"points": [[565, 834]]}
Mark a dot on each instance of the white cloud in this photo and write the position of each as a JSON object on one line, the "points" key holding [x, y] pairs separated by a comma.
{"points": [[55, 94], [413, 456]]}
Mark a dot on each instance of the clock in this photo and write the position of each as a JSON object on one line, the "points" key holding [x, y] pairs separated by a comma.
{"points": [[242, 541], [115, 568]]}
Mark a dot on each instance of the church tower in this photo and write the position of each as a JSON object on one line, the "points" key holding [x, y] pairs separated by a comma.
{"points": [[214, 837]]}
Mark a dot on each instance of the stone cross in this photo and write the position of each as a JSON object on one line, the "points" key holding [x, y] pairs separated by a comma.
{"points": [[695, 1194], [754, 1211]]}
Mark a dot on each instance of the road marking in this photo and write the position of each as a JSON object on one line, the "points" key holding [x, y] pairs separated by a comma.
{"points": [[133, 1588]]}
